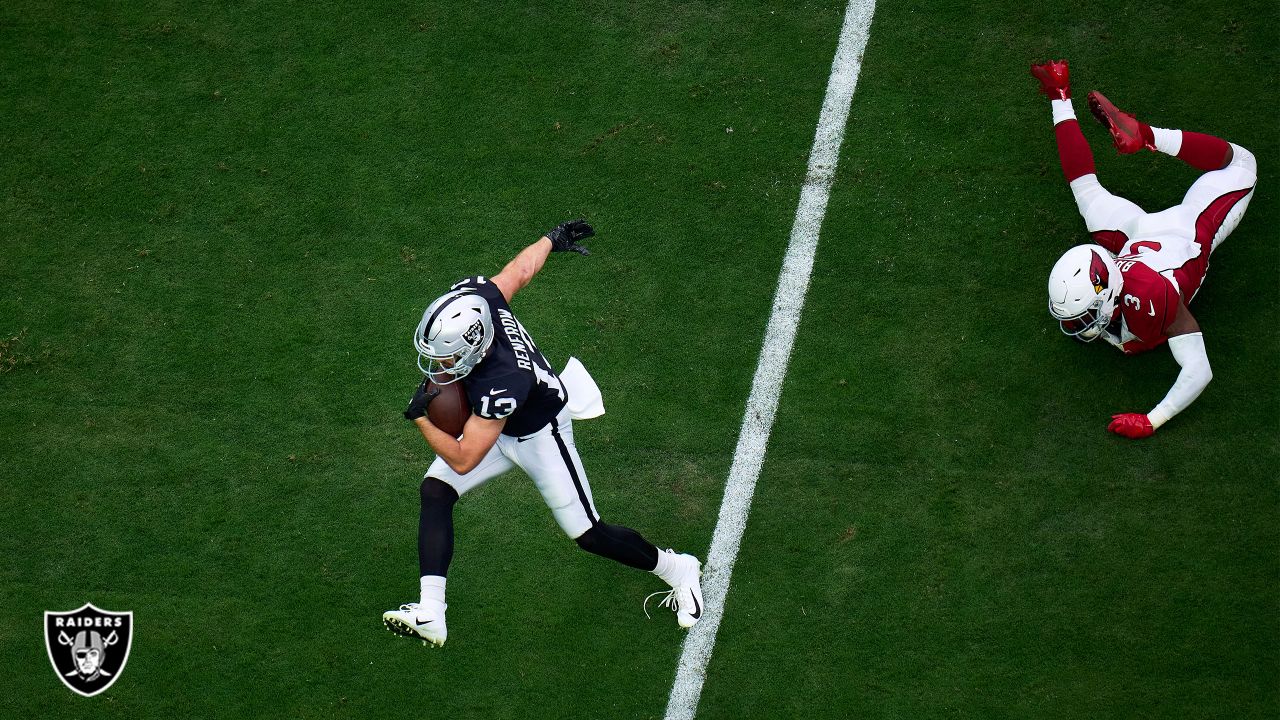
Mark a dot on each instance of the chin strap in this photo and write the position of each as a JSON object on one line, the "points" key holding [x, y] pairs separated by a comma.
{"points": [[1188, 350]]}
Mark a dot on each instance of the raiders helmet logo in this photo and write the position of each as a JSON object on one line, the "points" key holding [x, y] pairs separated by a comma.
{"points": [[88, 647], [1098, 273]]}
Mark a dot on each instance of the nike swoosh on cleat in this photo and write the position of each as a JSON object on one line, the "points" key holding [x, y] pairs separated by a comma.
{"points": [[697, 608]]}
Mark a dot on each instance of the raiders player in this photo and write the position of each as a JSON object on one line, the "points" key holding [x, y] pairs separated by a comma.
{"points": [[522, 417], [1133, 288]]}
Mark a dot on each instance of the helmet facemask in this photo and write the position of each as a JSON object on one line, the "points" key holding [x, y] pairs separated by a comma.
{"points": [[1087, 326]]}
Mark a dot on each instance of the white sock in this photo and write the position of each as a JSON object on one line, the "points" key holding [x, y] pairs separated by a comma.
{"points": [[667, 565], [432, 589], [1062, 110], [1168, 142]]}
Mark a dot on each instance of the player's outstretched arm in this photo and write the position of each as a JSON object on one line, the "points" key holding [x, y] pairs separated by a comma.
{"points": [[1187, 344], [563, 238], [478, 437]]}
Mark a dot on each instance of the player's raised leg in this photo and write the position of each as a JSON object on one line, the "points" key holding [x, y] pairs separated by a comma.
{"points": [[551, 459], [1203, 152], [1216, 202], [1106, 216], [437, 495]]}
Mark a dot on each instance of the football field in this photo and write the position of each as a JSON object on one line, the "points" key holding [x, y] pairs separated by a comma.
{"points": [[220, 224]]}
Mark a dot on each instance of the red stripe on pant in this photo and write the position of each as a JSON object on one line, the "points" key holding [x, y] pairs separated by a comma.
{"points": [[1192, 272]]}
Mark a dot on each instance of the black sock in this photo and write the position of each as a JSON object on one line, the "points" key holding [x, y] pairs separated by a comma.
{"points": [[621, 544], [435, 527]]}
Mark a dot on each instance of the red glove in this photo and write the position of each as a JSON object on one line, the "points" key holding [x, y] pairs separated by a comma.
{"points": [[1131, 425], [1055, 79]]}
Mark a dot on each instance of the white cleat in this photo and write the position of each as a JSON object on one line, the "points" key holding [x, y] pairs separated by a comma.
{"points": [[685, 595], [416, 620]]}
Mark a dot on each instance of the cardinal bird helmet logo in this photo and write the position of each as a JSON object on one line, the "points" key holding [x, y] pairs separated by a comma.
{"points": [[1099, 274]]}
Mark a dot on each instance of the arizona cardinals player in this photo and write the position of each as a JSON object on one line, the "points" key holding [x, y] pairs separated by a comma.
{"points": [[1133, 287], [522, 416]]}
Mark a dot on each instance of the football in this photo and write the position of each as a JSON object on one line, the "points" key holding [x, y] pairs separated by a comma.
{"points": [[450, 410]]}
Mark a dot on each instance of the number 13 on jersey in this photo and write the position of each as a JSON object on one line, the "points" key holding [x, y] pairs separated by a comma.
{"points": [[502, 407]]}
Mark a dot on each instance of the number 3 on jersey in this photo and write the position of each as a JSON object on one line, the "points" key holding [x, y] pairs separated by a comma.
{"points": [[502, 407], [1136, 304]]}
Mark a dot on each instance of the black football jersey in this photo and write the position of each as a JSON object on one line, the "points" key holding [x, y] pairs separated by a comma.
{"points": [[513, 381]]}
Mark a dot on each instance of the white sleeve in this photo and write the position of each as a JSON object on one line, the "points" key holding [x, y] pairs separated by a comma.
{"points": [[1188, 350]]}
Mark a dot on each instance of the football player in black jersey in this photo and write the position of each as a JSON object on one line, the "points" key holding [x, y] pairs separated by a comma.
{"points": [[522, 417]]}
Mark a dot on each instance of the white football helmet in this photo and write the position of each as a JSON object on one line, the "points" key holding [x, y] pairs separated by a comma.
{"points": [[1084, 291], [456, 328]]}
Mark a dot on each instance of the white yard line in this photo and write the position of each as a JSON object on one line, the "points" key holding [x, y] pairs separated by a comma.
{"points": [[762, 404]]}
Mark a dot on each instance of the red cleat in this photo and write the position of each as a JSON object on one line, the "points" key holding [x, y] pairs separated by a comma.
{"points": [[1054, 79], [1126, 131]]}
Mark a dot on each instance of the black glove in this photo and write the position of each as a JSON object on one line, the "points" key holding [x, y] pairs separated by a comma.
{"points": [[566, 235], [421, 399]]}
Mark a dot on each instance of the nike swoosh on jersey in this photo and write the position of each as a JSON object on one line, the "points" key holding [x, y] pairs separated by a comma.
{"points": [[1153, 308], [496, 391]]}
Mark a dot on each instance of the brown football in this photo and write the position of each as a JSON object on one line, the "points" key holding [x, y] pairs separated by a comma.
{"points": [[450, 410]]}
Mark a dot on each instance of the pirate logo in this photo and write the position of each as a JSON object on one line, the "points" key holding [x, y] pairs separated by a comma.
{"points": [[88, 647]]}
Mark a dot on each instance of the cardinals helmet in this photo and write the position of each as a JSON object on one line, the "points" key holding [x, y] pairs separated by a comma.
{"points": [[1084, 290]]}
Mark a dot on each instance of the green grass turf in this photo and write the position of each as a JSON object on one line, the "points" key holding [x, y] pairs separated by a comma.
{"points": [[221, 222]]}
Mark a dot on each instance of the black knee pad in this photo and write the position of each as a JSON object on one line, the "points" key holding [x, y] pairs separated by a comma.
{"points": [[437, 492]]}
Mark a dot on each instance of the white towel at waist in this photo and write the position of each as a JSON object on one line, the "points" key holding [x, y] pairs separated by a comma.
{"points": [[585, 401]]}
